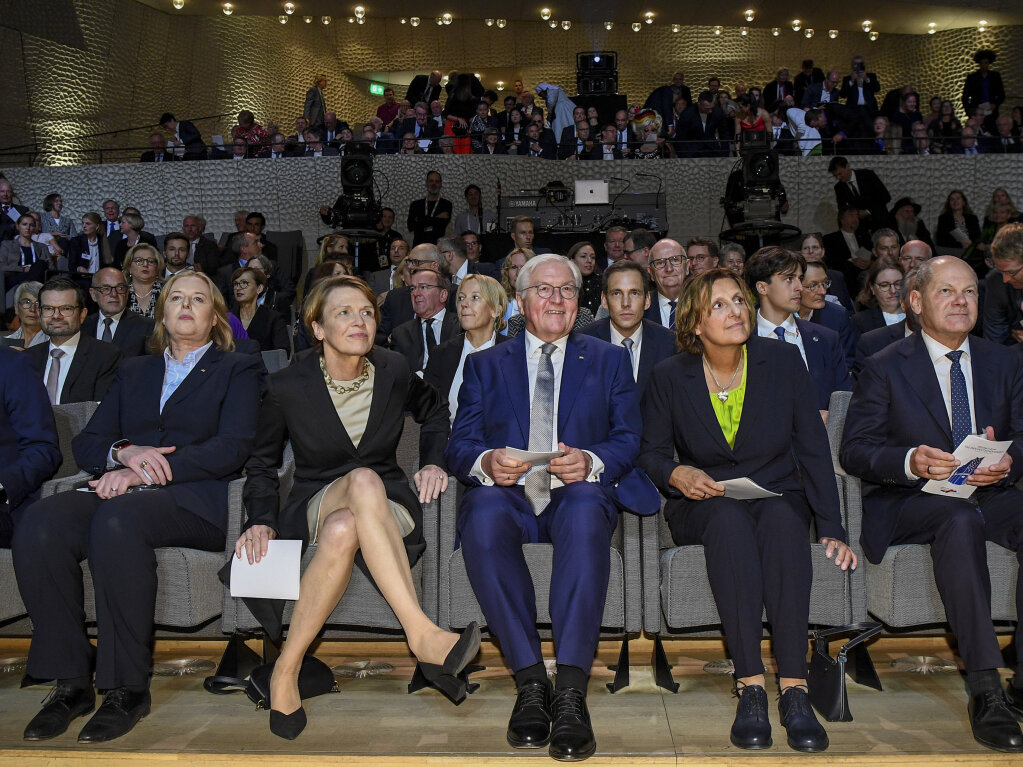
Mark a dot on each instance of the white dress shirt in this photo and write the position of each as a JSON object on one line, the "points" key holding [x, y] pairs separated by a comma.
{"points": [[438, 321], [664, 304], [534, 349], [113, 325], [69, 348], [460, 275], [637, 346], [892, 319], [765, 329], [456, 382], [943, 370]]}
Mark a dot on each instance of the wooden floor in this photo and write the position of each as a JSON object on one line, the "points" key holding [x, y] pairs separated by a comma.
{"points": [[917, 720]]}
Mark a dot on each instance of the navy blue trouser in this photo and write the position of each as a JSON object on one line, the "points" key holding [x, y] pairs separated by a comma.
{"points": [[494, 522]]}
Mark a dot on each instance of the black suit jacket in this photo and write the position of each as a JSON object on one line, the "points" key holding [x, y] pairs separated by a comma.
{"points": [[119, 246], [195, 149], [207, 255], [597, 153], [781, 443], [268, 330], [417, 88], [131, 336], [150, 156], [898, 405], [973, 94], [429, 131], [706, 139], [1002, 309], [871, 86], [407, 338], [836, 318], [8, 227], [210, 418], [440, 369], [837, 255], [91, 372], [873, 196], [868, 319], [658, 344], [396, 309], [873, 341], [78, 252], [774, 92]]}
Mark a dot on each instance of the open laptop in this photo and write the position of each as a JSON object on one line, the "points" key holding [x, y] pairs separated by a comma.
{"points": [[591, 192]]}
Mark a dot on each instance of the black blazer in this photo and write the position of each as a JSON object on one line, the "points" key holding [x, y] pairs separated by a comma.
{"points": [[195, 148], [119, 246], [898, 405], [781, 443], [132, 333], [78, 252], [297, 406], [91, 373], [836, 318], [407, 338], [973, 90], [396, 310], [207, 255], [150, 156], [837, 255], [872, 342], [213, 428], [441, 367], [946, 223], [868, 319], [8, 226], [871, 86], [658, 344], [873, 196], [268, 329]]}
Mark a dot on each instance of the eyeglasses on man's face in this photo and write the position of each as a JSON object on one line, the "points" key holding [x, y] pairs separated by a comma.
{"points": [[662, 263], [543, 290], [106, 290], [66, 310]]}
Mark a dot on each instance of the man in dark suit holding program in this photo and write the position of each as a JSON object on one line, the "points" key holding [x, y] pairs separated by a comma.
{"points": [[547, 389], [915, 402]]}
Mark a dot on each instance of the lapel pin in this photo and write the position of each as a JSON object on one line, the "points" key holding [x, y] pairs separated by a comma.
{"points": [[202, 370], [581, 357]]}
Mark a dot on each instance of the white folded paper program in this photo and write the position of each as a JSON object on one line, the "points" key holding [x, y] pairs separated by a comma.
{"points": [[745, 489], [275, 576], [973, 452], [535, 458]]}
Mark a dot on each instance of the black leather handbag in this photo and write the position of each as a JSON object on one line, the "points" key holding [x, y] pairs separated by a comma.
{"points": [[314, 678], [826, 678]]}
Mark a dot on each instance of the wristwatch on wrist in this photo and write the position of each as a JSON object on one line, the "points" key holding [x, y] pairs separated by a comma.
{"points": [[116, 448]]}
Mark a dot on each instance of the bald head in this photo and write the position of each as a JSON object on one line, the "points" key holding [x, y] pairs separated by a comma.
{"points": [[425, 256], [667, 267], [914, 253]]}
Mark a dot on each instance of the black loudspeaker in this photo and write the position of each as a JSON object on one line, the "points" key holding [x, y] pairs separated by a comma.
{"points": [[760, 169], [596, 85], [596, 62]]}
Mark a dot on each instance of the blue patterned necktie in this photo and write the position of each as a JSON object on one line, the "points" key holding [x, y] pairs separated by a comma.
{"points": [[671, 314], [961, 421], [780, 332], [541, 430]]}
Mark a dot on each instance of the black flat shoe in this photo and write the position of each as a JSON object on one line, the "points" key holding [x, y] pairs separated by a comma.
{"points": [[530, 722], [571, 734], [751, 728], [1014, 699], [287, 726], [63, 705], [805, 733], [993, 723], [120, 711]]}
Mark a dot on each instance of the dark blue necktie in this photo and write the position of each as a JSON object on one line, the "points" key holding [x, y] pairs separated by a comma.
{"points": [[780, 332], [961, 426], [671, 314]]}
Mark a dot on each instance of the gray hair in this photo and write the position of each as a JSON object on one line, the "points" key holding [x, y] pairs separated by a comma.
{"points": [[199, 219], [909, 284], [266, 263], [731, 247], [31, 288], [885, 232], [427, 250], [924, 273], [526, 272]]}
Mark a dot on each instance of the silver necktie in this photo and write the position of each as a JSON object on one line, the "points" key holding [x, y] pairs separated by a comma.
{"points": [[541, 431]]}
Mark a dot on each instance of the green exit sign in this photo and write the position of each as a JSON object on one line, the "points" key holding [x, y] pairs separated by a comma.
{"points": [[376, 90]]}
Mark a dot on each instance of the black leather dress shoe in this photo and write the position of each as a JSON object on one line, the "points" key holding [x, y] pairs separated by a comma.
{"points": [[120, 711], [1014, 699], [571, 734], [530, 722], [804, 731], [751, 728], [993, 723], [60, 707]]}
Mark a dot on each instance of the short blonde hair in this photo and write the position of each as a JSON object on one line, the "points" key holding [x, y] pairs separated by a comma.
{"points": [[694, 306], [316, 302], [509, 289], [220, 334], [141, 249], [494, 295], [135, 221]]}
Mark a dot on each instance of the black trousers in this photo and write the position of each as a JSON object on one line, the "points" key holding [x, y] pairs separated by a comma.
{"points": [[118, 536], [956, 531], [758, 556]]}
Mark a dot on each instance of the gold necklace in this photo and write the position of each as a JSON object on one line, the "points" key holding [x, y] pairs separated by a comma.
{"points": [[723, 394], [355, 385]]}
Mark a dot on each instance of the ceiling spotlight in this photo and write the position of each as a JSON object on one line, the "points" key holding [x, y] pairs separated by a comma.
{"points": [[402, 20], [545, 13], [866, 25], [718, 30], [872, 36], [932, 28], [351, 19], [982, 25], [488, 22], [325, 20], [553, 24], [808, 32], [307, 19], [440, 21], [414, 21], [743, 31], [609, 25], [228, 9], [676, 28], [283, 19], [636, 26], [500, 85], [361, 21], [649, 17], [796, 25], [289, 8], [775, 31], [502, 23], [179, 4], [360, 12], [446, 18], [832, 33], [566, 25], [749, 14]]}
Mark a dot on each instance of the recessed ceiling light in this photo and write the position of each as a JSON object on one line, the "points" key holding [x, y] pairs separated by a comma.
{"points": [[749, 14], [179, 4], [289, 8], [636, 26], [545, 13], [832, 33], [414, 21], [228, 9], [796, 25], [609, 25]]}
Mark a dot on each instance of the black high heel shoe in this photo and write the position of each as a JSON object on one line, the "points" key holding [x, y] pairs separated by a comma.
{"points": [[445, 677], [287, 726]]}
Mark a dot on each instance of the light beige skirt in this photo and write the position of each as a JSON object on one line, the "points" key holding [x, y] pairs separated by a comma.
{"points": [[313, 510]]}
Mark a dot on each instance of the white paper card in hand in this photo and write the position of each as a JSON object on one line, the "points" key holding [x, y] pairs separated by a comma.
{"points": [[745, 489], [535, 458], [275, 576], [973, 452]]}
